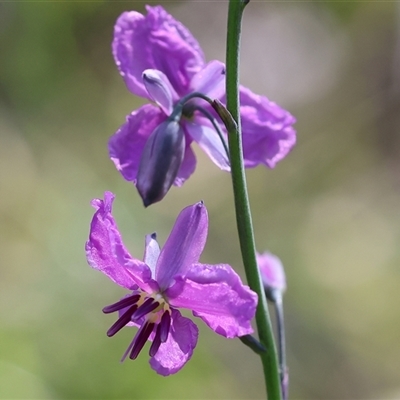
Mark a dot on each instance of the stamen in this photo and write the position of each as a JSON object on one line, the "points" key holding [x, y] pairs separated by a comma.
{"points": [[128, 350], [164, 325], [141, 339], [148, 306], [119, 305], [122, 321], [156, 343], [161, 333]]}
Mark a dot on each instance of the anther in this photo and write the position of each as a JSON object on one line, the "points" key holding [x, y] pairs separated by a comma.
{"points": [[119, 305], [147, 307], [161, 334], [141, 339], [122, 321]]}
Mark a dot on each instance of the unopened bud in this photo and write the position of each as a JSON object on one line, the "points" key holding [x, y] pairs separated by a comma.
{"points": [[160, 162], [273, 275]]}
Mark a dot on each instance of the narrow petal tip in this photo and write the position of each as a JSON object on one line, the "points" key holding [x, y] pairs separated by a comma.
{"points": [[184, 244], [147, 201]]}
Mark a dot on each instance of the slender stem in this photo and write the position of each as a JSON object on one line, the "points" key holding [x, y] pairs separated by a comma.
{"points": [[253, 343], [242, 207], [215, 125], [180, 106], [278, 304], [193, 95]]}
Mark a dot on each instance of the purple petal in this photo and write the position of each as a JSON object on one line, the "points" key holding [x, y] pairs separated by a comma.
{"points": [[208, 139], [178, 349], [155, 41], [272, 272], [127, 144], [106, 252], [268, 135], [184, 244], [151, 253], [188, 165], [210, 80], [216, 294], [159, 89]]}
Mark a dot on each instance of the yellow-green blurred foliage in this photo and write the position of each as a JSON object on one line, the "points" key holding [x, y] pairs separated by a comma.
{"points": [[331, 210]]}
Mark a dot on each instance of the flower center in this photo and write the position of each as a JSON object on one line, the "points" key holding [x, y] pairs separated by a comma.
{"points": [[151, 312]]}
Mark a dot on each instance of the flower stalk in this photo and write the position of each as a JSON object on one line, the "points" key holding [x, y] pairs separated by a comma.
{"points": [[284, 376], [243, 214]]}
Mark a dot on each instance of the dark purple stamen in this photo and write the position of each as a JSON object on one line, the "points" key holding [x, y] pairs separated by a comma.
{"points": [[141, 339], [164, 326], [156, 343], [122, 321], [148, 306], [119, 305], [161, 333]]}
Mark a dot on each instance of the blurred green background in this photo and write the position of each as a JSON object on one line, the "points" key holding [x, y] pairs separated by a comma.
{"points": [[330, 210]]}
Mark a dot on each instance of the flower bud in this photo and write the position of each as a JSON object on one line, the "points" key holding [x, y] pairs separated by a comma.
{"points": [[225, 115], [272, 274], [160, 162]]}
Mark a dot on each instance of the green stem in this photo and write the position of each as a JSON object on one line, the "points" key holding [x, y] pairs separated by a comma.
{"points": [[242, 207], [252, 343]]}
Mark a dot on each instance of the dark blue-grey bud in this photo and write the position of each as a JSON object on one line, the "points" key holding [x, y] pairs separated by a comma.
{"points": [[160, 162]]}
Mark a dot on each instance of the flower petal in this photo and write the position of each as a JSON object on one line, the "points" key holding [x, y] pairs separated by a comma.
{"points": [[151, 253], [155, 41], [209, 141], [216, 294], [106, 252], [127, 144], [184, 244], [160, 89], [210, 80], [268, 135], [178, 349]]}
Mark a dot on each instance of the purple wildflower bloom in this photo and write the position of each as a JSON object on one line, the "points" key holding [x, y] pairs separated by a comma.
{"points": [[160, 60], [272, 273], [165, 281]]}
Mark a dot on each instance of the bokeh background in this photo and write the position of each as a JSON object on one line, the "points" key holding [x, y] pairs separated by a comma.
{"points": [[330, 210]]}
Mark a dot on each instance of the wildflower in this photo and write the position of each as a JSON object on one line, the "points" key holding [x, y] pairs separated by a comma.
{"points": [[160, 60], [272, 274], [165, 281]]}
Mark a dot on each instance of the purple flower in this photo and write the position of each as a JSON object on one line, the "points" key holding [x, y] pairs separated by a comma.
{"points": [[160, 60], [165, 281], [272, 274]]}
